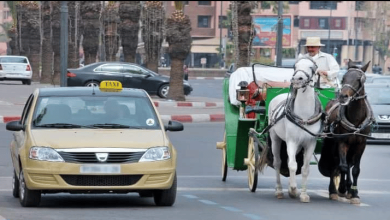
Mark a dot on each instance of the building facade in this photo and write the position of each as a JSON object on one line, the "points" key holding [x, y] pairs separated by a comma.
{"points": [[5, 17]]}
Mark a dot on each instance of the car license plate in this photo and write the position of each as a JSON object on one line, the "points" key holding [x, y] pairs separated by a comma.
{"points": [[380, 135], [100, 169]]}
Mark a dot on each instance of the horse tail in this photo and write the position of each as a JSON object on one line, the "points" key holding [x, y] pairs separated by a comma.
{"points": [[326, 161]]}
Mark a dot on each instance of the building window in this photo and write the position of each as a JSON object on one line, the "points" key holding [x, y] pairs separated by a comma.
{"points": [[323, 23], [6, 14], [337, 23], [323, 5], [265, 5], [296, 21], [359, 5], [185, 2], [306, 22], [204, 2], [204, 21], [222, 19], [293, 2], [5, 4]]}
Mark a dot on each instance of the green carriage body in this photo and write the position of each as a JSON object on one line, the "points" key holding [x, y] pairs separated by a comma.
{"points": [[237, 129]]}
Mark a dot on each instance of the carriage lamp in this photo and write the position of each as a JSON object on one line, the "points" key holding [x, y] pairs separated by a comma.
{"points": [[243, 92]]}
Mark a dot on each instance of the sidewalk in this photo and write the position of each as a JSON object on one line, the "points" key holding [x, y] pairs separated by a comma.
{"points": [[13, 96]]}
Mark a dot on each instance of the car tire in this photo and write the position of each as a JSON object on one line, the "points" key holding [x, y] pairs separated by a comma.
{"points": [[92, 83], [163, 91], [15, 186], [28, 198], [166, 197]]}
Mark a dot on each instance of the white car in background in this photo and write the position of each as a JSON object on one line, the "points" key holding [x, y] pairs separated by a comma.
{"points": [[15, 68]]}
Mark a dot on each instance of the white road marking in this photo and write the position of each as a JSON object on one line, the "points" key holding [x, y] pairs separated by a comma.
{"points": [[208, 202]]}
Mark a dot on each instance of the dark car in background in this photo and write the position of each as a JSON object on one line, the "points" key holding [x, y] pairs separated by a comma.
{"points": [[378, 96], [129, 74]]}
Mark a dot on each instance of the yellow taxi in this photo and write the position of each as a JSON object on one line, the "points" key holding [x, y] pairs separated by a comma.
{"points": [[92, 140]]}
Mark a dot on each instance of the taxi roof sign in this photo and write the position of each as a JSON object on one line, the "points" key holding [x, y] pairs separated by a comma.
{"points": [[110, 86]]}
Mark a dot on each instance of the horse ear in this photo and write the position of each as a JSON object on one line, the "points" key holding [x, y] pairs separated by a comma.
{"points": [[350, 63], [365, 67]]}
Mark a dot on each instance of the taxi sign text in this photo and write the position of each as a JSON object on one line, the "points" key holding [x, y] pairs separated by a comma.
{"points": [[110, 86]]}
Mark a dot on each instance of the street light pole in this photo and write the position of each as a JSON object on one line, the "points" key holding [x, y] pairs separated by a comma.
{"points": [[220, 38], [279, 45], [64, 42], [329, 22]]}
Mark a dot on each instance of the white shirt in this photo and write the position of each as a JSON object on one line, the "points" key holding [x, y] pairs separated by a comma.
{"points": [[328, 63]]}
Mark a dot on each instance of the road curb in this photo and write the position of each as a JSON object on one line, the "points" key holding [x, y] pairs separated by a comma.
{"points": [[192, 118], [187, 104]]}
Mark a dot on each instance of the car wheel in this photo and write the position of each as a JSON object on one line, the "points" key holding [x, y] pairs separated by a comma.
{"points": [[28, 82], [166, 197], [163, 91], [27, 198], [15, 186], [92, 83]]}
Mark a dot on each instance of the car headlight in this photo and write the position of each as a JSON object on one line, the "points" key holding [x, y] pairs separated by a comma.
{"points": [[45, 154], [156, 154]]}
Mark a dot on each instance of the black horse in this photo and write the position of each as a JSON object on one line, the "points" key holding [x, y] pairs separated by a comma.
{"points": [[349, 119]]}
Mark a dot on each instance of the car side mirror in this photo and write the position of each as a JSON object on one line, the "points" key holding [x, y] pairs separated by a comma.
{"points": [[14, 126], [174, 126], [148, 75]]}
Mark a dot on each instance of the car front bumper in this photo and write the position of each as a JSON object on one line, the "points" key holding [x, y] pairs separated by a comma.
{"points": [[62, 176], [380, 138]]}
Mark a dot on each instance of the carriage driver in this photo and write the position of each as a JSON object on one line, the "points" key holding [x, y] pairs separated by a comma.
{"points": [[328, 67]]}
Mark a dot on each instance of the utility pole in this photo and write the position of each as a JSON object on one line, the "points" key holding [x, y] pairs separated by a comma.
{"points": [[329, 22], [220, 37], [64, 43], [279, 45]]}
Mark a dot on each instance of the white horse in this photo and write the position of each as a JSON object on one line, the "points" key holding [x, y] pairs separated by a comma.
{"points": [[302, 107]]}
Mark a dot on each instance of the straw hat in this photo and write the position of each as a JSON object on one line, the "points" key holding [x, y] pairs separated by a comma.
{"points": [[313, 41]]}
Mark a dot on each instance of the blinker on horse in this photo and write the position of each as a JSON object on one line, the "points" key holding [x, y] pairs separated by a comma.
{"points": [[349, 119], [294, 119]]}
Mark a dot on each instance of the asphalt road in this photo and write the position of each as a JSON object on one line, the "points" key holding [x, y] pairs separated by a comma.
{"points": [[207, 88], [202, 194]]}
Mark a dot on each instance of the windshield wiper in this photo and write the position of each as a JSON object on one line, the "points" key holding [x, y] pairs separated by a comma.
{"points": [[63, 125], [112, 125]]}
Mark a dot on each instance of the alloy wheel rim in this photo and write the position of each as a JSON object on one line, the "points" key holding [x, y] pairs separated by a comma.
{"points": [[92, 84], [21, 186], [164, 91]]}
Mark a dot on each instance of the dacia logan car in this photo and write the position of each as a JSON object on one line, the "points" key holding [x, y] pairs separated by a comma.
{"points": [[92, 140]]}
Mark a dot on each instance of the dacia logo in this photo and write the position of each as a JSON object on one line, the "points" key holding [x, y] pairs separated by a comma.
{"points": [[102, 157]]}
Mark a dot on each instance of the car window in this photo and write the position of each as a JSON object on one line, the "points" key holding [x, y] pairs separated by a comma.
{"points": [[90, 110], [133, 70], [13, 60], [26, 109], [110, 68], [378, 95]]}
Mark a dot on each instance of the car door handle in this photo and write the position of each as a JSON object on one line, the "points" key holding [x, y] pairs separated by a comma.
{"points": [[129, 76]]}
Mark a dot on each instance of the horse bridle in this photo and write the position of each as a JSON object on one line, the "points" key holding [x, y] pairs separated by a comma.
{"points": [[356, 91], [309, 78]]}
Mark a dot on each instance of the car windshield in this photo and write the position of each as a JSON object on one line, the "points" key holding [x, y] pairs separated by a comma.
{"points": [[378, 95], [95, 112], [13, 60]]}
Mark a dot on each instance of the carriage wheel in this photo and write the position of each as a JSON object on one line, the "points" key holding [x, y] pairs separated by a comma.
{"points": [[224, 160], [251, 162]]}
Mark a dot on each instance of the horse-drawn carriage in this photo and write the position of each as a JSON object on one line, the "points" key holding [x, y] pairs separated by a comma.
{"points": [[261, 117]]}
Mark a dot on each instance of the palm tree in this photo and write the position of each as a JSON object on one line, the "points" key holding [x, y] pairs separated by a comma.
{"points": [[73, 52], [129, 13], [245, 32], [178, 28], [56, 33], [31, 34], [111, 21], [90, 13], [12, 32], [47, 50], [153, 15]]}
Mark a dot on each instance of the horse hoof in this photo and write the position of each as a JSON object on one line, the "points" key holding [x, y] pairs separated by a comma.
{"points": [[349, 196], [279, 195], [333, 197], [305, 198], [292, 192], [355, 201], [342, 194]]}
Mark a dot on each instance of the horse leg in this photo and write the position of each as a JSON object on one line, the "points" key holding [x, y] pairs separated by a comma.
{"points": [[349, 183], [355, 174], [276, 145], [306, 170], [292, 148], [343, 166], [332, 187]]}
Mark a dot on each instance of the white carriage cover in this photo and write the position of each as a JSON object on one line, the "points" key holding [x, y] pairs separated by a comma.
{"points": [[263, 74]]}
